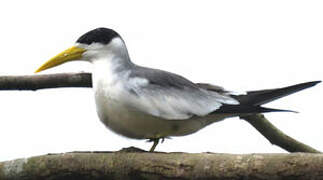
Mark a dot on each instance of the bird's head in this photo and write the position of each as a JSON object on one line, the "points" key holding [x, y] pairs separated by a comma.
{"points": [[91, 45]]}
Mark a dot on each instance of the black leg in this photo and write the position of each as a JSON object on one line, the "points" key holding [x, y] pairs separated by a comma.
{"points": [[156, 141]]}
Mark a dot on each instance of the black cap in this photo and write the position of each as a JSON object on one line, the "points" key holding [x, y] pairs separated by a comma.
{"points": [[98, 35]]}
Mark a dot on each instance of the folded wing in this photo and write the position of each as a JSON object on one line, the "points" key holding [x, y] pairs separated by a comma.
{"points": [[170, 96]]}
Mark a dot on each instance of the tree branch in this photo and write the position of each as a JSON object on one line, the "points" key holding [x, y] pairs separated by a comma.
{"points": [[276, 136], [144, 165], [35, 82]]}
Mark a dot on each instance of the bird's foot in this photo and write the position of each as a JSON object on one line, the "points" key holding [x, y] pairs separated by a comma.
{"points": [[156, 141]]}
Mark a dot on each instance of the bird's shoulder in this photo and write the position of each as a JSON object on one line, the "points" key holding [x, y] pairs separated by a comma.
{"points": [[162, 79]]}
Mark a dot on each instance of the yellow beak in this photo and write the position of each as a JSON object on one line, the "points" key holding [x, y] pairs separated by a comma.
{"points": [[73, 53]]}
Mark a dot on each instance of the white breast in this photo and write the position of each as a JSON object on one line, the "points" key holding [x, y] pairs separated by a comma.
{"points": [[111, 97]]}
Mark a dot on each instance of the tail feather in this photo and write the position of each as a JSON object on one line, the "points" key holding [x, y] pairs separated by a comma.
{"points": [[261, 97], [241, 109], [252, 101]]}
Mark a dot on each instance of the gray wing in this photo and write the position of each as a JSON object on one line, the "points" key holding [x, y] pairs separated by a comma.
{"points": [[170, 96]]}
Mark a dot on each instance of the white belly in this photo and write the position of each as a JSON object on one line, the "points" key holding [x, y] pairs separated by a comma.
{"points": [[124, 121]]}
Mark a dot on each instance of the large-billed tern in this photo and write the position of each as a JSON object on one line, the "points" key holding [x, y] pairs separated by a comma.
{"points": [[144, 103]]}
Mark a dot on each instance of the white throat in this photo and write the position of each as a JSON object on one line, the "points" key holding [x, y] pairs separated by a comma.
{"points": [[111, 63]]}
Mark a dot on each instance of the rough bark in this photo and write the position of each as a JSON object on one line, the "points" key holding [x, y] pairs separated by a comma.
{"points": [[144, 165]]}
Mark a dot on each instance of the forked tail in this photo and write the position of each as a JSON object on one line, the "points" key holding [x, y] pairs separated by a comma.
{"points": [[252, 101]]}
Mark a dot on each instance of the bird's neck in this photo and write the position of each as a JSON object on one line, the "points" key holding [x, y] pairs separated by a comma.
{"points": [[112, 66], [113, 59]]}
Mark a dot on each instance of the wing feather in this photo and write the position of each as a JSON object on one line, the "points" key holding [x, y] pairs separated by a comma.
{"points": [[170, 96]]}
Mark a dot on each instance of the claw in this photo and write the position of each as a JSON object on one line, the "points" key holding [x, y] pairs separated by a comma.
{"points": [[162, 140]]}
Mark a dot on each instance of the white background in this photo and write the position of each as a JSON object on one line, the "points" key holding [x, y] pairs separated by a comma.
{"points": [[241, 45]]}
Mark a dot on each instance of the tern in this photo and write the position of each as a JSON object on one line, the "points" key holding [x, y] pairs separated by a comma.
{"points": [[144, 103]]}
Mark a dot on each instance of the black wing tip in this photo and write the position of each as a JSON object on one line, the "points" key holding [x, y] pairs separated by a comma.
{"points": [[311, 83], [314, 82], [304, 85]]}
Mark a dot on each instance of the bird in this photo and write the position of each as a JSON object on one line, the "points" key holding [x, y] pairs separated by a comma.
{"points": [[152, 104]]}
